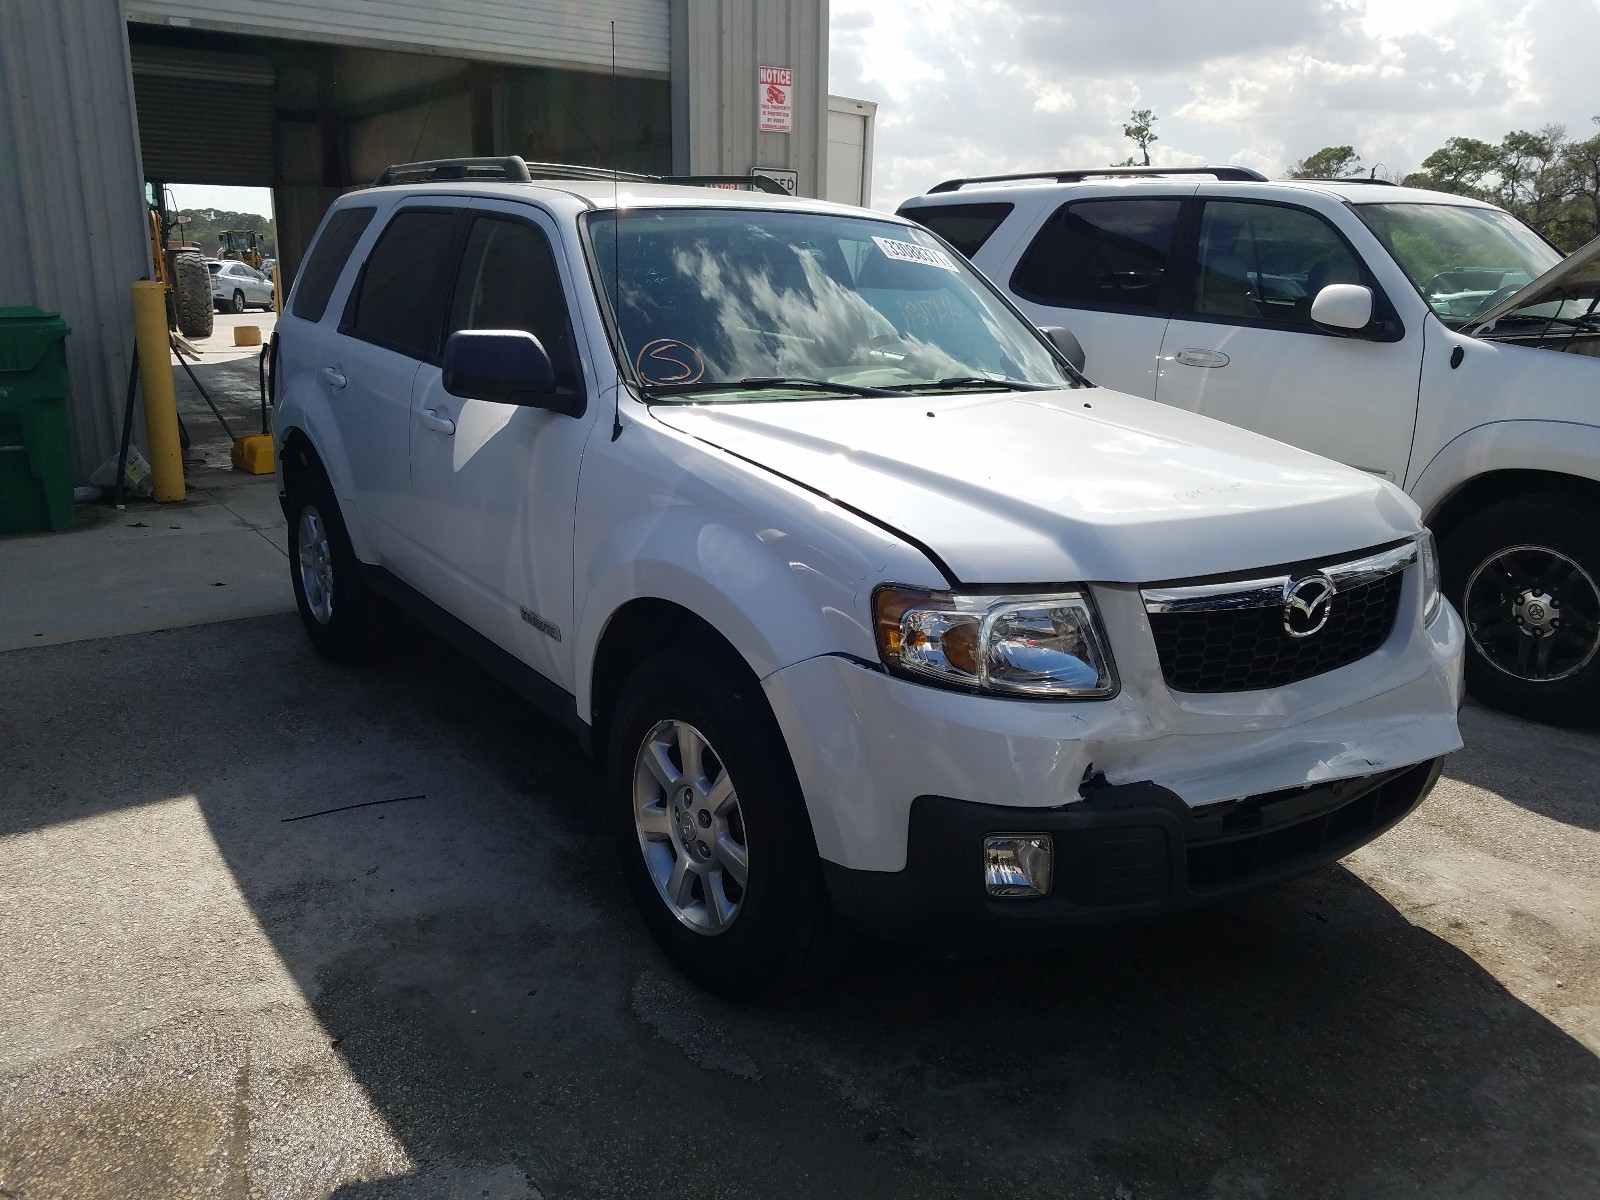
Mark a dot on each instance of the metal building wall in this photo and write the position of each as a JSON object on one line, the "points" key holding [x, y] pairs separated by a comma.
{"points": [[559, 33], [718, 47], [72, 224]]}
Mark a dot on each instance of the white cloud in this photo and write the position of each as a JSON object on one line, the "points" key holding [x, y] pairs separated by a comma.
{"points": [[1006, 85]]}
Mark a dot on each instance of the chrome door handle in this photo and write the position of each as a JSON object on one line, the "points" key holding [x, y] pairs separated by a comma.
{"points": [[335, 377], [432, 420], [1193, 357]]}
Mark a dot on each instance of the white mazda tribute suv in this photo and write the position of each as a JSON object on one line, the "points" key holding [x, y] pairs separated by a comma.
{"points": [[1430, 339], [876, 613]]}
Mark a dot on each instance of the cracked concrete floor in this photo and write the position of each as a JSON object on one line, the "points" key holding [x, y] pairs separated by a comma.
{"points": [[449, 996]]}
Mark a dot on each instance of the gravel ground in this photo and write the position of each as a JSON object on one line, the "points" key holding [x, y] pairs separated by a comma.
{"points": [[207, 992]]}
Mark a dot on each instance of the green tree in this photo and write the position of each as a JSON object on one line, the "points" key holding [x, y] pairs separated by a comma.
{"points": [[1580, 170], [1458, 166], [1141, 131], [1531, 180], [1331, 162]]}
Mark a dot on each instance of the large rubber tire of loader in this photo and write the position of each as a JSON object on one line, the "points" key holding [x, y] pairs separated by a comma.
{"points": [[191, 287]]}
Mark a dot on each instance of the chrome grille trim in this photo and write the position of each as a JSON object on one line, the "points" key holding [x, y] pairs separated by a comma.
{"points": [[1269, 592]]}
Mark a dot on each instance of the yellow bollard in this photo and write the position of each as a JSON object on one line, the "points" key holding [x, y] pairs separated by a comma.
{"points": [[160, 400]]}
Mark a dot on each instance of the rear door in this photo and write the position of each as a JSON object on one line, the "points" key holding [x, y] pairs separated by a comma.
{"points": [[495, 485], [1100, 266], [392, 324], [1241, 345]]}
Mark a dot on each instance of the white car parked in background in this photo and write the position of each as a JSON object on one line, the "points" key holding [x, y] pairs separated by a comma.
{"points": [[1426, 338], [236, 286], [872, 608]]}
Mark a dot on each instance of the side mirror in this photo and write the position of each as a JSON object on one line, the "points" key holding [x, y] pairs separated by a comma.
{"points": [[1346, 306], [1064, 341], [504, 366]]}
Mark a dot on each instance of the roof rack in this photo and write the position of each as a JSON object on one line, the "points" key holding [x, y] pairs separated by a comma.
{"points": [[1350, 179], [1241, 174], [512, 169]]}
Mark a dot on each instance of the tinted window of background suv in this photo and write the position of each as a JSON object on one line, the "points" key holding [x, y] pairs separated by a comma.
{"points": [[965, 226], [1100, 254], [399, 301]]}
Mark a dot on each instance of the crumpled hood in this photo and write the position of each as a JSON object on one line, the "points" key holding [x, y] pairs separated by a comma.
{"points": [[1061, 487]]}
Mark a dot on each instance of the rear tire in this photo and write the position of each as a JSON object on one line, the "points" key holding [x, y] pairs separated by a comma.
{"points": [[191, 296], [238, 301], [345, 620], [1525, 577], [731, 841]]}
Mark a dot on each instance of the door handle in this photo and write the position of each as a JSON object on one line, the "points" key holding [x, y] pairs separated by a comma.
{"points": [[334, 376], [431, 419], [1194, 357]]}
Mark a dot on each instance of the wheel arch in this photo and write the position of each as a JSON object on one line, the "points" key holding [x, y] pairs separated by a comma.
{"points": [[297, 455], [1484, 491], [1503, 460], [641, 627]]}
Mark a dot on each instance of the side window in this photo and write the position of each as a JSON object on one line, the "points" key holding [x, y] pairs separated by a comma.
{"points": [[328, 257], [399, 300], [1100, 254], [965, 226], [509, 280], [1267, 262]]}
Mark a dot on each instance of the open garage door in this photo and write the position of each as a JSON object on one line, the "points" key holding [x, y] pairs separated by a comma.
{"points": [[204, 117]]}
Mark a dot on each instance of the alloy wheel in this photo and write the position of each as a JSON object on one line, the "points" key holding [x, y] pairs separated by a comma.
{"points": [[691, 829], [1533, 613], [316, 564]]}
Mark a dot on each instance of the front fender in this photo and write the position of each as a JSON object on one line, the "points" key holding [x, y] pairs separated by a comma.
{"points": [[783, 574], [1552, 447]]}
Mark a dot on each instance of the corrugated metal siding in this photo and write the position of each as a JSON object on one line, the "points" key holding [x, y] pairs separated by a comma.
{"points": [[72, 197], [553, 33], [718, 47]]}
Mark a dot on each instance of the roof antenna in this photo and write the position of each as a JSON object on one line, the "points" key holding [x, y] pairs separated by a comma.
{"points": [[616, 237]]}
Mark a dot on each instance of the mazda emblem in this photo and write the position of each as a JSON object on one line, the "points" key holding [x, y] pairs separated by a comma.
{"points": [[1307, 605]]}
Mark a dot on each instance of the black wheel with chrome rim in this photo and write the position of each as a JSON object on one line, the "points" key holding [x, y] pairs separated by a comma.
{"points": [[1524, 575]]}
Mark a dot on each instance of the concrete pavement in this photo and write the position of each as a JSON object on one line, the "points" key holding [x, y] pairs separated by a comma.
{"points": [[213, 986]]}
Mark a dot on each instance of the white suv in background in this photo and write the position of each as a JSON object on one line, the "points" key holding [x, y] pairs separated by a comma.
{"points": [[871, 607], [1431, 340]]}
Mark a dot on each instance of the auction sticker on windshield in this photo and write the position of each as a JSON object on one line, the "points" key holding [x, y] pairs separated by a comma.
{"points": [[911, 252]]}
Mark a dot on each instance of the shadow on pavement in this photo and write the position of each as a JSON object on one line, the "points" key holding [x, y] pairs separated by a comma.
{"points": [[1552, 772], [477, 968]]}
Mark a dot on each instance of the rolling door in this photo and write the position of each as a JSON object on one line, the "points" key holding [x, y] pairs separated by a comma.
{"points": [[204, 118]]}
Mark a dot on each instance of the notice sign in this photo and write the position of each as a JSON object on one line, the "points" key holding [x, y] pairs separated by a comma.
{"points": [[775, 99]]}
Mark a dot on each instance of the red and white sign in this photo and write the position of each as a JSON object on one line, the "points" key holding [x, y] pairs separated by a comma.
{"points": [[775, 99]]}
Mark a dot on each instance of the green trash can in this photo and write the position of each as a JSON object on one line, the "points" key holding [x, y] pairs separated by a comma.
{"points": [[35, 446]]}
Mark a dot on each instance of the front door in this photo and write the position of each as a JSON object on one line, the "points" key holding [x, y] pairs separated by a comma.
{"points": [[494, 486], [1242, 347]]}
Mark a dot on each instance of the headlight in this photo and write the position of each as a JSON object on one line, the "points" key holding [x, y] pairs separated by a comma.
{"points": [[1014, 645], [1428, 557]]}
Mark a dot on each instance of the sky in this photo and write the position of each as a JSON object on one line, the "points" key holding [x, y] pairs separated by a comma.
{"points": [[226, 199], [982, 87]]}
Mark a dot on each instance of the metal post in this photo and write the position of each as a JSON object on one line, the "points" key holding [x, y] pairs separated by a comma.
{"points": [[160, 398]]}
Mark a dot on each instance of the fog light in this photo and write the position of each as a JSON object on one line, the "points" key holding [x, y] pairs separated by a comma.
{"points": [[1017, 864]]}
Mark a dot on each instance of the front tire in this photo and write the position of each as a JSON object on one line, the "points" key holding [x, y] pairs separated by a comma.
{"points": [[345, 620], [712, 830], [191, 296], [1525, 576]]}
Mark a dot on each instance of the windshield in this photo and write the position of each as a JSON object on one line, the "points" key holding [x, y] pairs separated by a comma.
{"points": [[1463, 260], [736, 304]]}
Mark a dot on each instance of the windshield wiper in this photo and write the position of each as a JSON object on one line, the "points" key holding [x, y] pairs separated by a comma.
{"points": [[765, 384], [969, 381], [1584, 322]]}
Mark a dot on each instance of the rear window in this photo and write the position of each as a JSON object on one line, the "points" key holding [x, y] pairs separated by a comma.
{"points": [[965, 226], [327, 260], [1100, 254], [399, 301]]}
